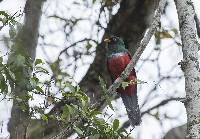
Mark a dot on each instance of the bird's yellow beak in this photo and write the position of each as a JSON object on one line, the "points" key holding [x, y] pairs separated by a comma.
{"points": [[107, 40]]}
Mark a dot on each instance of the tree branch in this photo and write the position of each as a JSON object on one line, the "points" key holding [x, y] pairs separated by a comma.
{"points": [[162, 103], [75, 43], [112, 89], [190, 65]]}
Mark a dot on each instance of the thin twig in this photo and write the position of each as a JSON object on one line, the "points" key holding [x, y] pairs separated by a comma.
{"points": [[162, 103], [75, 43], [7, 20]]}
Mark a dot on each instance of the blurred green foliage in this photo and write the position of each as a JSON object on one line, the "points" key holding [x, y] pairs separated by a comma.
{"points": [[77, 113], [6, 19]]}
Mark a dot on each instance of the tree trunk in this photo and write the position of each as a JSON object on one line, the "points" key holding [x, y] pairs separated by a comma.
{"points": [[25, 42], [176, 133], [190, 66]]}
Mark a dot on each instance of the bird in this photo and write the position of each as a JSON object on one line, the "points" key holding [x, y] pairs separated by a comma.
{"points": [[118, 57]]}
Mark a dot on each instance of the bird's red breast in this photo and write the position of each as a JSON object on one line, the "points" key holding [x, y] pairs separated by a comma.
{"points": [[116, 65]]}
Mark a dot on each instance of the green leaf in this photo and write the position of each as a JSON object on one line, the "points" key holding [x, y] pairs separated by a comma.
{"points": [[38, 61], [3, 85], [124, 84], [77, 88], [105, 95], [70, 86], [174, 30], [78, 131], [39, 89], [4, 14], [115, 124], [93, 113], [108, 100], [32, 84], [44, 117], [66, 112], [96, 136], [102, 84], [164, 35], [55, 66], [71, 111], [41, 69], [19, 100], [1, 60], [100, 121], [83, 102], [88, 46], [35, 79]]}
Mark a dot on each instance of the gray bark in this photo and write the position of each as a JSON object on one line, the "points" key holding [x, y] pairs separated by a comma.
{"points": [[25, 42], [176, 133], [190, 66]]}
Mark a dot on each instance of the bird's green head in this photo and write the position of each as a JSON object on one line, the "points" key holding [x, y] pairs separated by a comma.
{"points": [[115, 45]]}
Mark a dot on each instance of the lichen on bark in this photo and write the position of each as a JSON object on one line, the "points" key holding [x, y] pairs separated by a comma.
{"points": [[191, 71]]}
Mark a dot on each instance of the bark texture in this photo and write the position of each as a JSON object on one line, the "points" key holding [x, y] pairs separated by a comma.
{"points": [[26, 42], [190, 66], [177, 133]]}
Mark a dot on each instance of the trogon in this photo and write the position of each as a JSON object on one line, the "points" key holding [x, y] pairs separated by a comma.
{"points": [[118, 58]]}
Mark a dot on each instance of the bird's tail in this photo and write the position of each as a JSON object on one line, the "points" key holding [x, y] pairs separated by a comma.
{"points": [[132, 108]]}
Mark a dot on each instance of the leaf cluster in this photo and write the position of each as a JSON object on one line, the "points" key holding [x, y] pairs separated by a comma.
{"points": [[76, 115]]}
